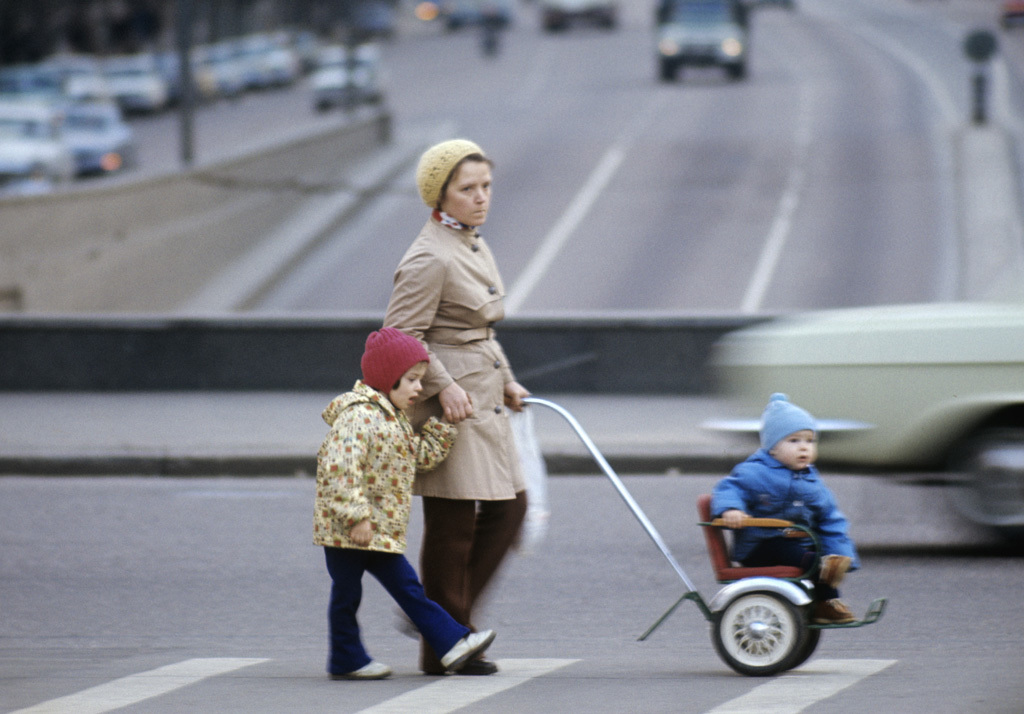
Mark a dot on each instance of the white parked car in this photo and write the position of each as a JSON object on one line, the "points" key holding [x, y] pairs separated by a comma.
{"points": [[32, 149], [81, 77], [346, 77], [924, 387], [136, 83], [101, 141], [268, 61], [221, 67]]}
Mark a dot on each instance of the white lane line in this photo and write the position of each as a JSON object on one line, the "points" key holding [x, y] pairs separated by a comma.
{"points": [[452, 693], [578, 207], [778, 234], [567, 223], [804, 686], [139, 687]]}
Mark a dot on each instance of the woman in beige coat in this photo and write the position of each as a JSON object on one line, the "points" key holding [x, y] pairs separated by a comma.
{"points": [[448, 294]]}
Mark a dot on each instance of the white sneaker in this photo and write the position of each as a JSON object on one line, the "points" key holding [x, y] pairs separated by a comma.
{"points": [[467, 648], [373, 670]]}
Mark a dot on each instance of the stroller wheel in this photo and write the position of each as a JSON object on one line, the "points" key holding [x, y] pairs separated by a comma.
{"points": [[760, 634]]}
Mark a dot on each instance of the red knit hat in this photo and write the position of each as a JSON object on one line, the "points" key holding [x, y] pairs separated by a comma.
{"points": [[389, 354]]}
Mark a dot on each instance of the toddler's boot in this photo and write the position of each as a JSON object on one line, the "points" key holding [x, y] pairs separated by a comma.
{"points": [[833, 569]]}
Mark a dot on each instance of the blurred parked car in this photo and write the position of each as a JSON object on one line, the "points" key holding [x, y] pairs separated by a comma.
{"points": [[100, 140], [137, 84], [560, 14], [81, 77], [31, 145], [204, 82], [1011, 13], [29, 81], [934, 386], [457, 14], [221, 66], [268, 61], [306, 45], [371, 20], [346, 77]]}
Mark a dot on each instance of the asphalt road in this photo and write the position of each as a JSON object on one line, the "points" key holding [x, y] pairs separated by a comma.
{"points": [[825, 179], [821, 181], [834, 144], [210, 596]]}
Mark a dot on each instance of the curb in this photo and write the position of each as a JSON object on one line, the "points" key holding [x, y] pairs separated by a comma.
{"points": [[282, 465]]}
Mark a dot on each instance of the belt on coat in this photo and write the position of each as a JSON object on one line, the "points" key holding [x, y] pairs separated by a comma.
{"points": [[457, 336]]}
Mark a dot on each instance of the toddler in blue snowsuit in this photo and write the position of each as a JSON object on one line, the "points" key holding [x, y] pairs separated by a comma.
{"points": [[779, 480]]}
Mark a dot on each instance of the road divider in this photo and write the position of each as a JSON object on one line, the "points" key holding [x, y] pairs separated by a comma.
{"points": [[625, 353], [154, 243]]}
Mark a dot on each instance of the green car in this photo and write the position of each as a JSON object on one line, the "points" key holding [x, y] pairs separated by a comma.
{"points": [[922, 387]]}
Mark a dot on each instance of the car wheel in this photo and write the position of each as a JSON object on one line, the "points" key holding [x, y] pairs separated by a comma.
{"points": [[991, 490], [760, 634], [668, 71], [737, 71]]}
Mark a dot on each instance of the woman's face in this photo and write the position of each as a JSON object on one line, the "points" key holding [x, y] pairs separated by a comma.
{"points": [[468, 197]]}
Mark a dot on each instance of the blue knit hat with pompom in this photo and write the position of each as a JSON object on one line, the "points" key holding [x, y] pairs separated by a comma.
{"points": [[782, 418]]}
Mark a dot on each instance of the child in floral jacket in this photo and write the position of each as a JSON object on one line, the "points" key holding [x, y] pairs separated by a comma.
{"points": [[365, 470]]}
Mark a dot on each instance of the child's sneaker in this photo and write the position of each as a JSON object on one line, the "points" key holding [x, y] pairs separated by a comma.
{"points": [[832, 612], [373, 670], [466, 649]]}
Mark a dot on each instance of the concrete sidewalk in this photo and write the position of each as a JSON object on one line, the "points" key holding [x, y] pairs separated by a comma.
{"points": [[229, 434], [275, 433]]}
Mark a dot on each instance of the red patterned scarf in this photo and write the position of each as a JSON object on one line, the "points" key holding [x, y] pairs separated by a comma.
{"points": [[445, 220]]}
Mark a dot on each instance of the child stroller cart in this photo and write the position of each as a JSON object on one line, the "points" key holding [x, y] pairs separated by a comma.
{"points": [[760, 620]]}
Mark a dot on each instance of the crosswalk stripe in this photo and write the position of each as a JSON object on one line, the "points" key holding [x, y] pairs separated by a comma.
{"points": [[138, 687], [802, 687], [453, 692]]}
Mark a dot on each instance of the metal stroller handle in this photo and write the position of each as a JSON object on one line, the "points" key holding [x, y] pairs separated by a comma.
{"points": [[619, 486]]}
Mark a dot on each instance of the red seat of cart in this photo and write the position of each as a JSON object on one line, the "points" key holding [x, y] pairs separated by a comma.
{"points": [[718, 551]]}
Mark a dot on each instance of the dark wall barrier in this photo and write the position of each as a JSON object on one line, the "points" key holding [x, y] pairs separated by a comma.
{"points": [[634, 354]]}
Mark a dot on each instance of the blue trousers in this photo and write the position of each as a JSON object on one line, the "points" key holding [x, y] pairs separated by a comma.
{"points": [[346, 567], [789, 551]]}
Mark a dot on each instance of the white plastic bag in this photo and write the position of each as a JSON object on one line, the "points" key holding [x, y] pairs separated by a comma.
{"points": [[535, 525]]}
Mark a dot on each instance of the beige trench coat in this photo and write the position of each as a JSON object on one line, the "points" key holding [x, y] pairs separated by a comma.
{"points": [[448, 294]]}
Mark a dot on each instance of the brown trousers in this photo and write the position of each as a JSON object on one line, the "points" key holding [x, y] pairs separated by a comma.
{"points": [[464, 543]]}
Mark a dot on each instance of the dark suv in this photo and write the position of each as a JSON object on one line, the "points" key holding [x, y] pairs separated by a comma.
{"points": [[702, 33]]}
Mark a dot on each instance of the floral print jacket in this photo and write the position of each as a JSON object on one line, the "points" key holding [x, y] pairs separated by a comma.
{"points": [[366, 466]]}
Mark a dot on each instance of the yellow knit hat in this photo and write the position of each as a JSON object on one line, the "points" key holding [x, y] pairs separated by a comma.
{"points": [[436, 166]]}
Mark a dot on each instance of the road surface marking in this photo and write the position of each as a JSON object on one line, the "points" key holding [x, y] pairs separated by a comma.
{"points": [[783, 220], [579, 207], [453, 692], [807, 685], [139, 687]]}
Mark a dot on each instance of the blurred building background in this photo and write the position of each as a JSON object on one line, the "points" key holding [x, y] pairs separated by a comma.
{"points": [[31, 30]]}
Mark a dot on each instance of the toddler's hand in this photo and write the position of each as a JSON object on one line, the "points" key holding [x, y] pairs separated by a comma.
{"points": [[361, 533], [734, 518]]}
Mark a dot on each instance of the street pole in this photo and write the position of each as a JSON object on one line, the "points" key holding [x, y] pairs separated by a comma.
{"points": [[187, 106], [979, 46]]}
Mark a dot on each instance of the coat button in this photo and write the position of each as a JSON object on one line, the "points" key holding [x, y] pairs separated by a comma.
{"points": [[475, 248], [492, 290], [497, 364], [497, 410]]}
